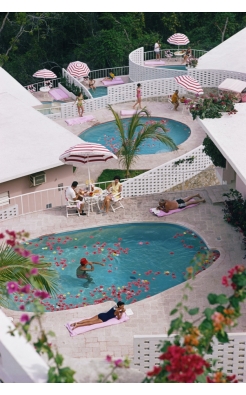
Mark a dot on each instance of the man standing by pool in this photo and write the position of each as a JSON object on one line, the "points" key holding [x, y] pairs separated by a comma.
{"points": [[175, 100]]}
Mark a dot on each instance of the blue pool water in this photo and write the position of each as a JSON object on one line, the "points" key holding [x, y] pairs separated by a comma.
{"points": [[100, 91], [141, 260], [174, 67], [107, 134]]}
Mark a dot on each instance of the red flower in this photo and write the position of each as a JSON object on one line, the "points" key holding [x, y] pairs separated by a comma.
{"points": [[156, 370], [225, 281]]}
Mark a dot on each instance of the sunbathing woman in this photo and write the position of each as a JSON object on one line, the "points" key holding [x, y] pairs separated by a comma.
{"points": [[92, 84], [116, 311]]}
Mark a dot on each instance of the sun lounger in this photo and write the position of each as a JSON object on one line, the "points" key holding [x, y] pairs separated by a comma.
{"points": [[77, 121], [160, 213], [58, 94], [115, 81], [83, 329]]}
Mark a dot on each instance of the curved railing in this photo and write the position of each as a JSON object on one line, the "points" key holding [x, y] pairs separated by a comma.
{"points": [[196, 53]]}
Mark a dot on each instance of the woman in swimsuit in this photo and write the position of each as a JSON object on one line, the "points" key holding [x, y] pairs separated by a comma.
{"points": [[116, 311], [92, 84], [79, 102], [139, 94]]}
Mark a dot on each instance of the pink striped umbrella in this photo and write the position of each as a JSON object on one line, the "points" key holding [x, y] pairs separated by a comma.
{"points": [[85, 153], [189, 83], [78, 69], [44, 74], [178, 39]]}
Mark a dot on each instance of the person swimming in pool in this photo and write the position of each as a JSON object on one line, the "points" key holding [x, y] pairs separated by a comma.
{"points": [[114, 312], [82, 268], [167, 205]]}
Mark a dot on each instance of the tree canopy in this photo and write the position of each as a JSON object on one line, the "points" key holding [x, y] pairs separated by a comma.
{"points": [[32, 41]]}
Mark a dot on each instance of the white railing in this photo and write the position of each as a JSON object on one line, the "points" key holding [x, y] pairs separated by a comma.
{"points": [[76, 82], [140, 72], [230, 357], [196, 53], [19, 361], [32, 202], [102, 73], [38, 85], [213, 78], [167, 176]]}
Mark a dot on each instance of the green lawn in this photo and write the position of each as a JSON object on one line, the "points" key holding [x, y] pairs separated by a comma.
{"points": [[109, 174]]}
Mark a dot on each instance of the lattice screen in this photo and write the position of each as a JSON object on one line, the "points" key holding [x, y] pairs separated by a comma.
{"points": [[167, 175], [231, 357], [9, 212], [213, 78]]}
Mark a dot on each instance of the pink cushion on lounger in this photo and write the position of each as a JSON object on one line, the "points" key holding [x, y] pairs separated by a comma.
{"points": [[83, 329], [161, 213], [115, 81], [76, 121]]}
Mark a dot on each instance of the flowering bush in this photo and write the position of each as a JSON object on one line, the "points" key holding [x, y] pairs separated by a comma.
{"points": [[212, 106], [185, 361], [27, 277]]}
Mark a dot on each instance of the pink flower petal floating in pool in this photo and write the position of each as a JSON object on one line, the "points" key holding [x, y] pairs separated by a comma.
{"points": [[171, 253], [91, 237], [87, 253], [134, 272], [140, 243], [84, 246], [109, 271]]}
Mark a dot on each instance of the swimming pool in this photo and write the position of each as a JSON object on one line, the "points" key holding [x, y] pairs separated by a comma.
{"points": [[107, 135], [174, 67], [100, 91], [141, 260]]}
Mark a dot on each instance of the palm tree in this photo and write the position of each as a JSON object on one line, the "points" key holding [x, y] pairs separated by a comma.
{"points": [[14, 267], [131, 140]]}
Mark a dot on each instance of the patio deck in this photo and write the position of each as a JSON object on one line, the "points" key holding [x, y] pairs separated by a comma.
{"points": [[151, 315]]}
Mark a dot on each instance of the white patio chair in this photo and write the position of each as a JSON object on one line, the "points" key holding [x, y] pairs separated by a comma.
{"points": [[116, 203], [168, 54], [71, 207], [31, 88], [170, 102]]}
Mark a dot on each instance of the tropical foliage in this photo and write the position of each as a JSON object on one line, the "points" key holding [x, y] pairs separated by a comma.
{"points": [[35, 40], [213, 152], [235, 211], [16, 264], [138, 131], [212, 106]]}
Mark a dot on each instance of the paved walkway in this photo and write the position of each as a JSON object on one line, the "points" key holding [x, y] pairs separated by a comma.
{"points": [[151, 316]]}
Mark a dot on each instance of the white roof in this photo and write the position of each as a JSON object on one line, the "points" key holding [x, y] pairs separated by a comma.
{"points": [[10, 85], [229, 84], [29, 141], [228, 134], [229, 55]]}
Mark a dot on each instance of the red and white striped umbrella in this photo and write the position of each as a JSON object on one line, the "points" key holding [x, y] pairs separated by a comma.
{"points": [[189, 83], [78, 69], [44, 74], [178, 39], [86, 153]]}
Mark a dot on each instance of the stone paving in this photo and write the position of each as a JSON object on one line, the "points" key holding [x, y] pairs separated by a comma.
{"points": [[151, 316]]}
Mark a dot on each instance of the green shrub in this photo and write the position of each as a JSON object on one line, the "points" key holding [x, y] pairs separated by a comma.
{"points": [[212, 151]]}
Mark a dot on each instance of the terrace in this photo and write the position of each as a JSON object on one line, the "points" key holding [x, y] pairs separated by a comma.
{"points": [[151, 316]]}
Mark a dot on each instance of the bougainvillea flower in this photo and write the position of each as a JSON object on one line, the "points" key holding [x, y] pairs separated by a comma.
{"points": [[24, 318], [12, 287]]}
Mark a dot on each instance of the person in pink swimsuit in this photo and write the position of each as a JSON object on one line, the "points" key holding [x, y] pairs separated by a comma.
{"points": [[139, 94]]}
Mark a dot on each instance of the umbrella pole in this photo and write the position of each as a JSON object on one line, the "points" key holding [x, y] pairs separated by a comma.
{"points": [[89, 176]]}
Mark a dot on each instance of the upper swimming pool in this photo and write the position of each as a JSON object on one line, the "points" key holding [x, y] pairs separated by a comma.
{"points": [[174, 67], [141, 260], [107, 135], [98, 92]]}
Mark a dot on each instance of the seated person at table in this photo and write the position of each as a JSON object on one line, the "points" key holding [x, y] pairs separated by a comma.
{"points": [[167, 205], [175, 100], [110, 77], [92, 84], [187, 55], [73, 195], [116, 189]]}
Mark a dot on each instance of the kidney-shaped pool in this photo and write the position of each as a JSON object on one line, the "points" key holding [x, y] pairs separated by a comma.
{"points": [[141, 260]]}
